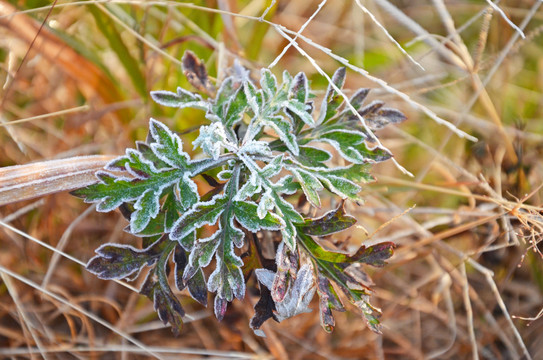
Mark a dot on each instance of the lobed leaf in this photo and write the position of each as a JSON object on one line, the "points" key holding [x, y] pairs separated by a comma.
{"points": [[167, 146], [310, 185], [328, 301], [116, 261], [302, 111], [333, 100], [166, 304], [313, 157], [247, 214], [202, 213], [181, 99]]}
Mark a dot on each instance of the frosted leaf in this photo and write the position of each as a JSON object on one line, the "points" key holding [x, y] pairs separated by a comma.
{"points": [[258, 148], [266, 204], [246, 214], [298, 296], [147, 207], [268, 82], [201, 214], [168, 147], [212, 140]]}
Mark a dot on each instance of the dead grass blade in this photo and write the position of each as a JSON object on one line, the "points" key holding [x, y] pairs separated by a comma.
{"points": [[23, 182]]}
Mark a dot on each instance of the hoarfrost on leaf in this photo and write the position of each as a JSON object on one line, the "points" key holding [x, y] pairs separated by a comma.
{"points": [[298, 296], [261, 155]]}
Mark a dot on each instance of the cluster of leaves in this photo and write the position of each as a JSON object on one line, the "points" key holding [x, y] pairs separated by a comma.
{"points": [[261, 143]]}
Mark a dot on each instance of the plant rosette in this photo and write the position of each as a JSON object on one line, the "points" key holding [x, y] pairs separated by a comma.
{"points": [[262, 147]]}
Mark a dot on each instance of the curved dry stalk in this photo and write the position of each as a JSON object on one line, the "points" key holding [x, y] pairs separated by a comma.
{"points": [[24, 182]]}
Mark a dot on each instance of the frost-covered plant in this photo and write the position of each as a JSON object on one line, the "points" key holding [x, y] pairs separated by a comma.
{"points": [[259, 151]]}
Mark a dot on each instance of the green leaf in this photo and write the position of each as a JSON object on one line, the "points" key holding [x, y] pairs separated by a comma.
{"points": [[374, 255], [200, 214], [283, 129], [310, 185], [313, 157], [131, 65], [167, 146], [350, 145], [268, 82], [342, 187], [356, 173], [234, 109], [301, 110], [202, 254], [246, 214], [147, 207], [182, 99], [344, 137]]}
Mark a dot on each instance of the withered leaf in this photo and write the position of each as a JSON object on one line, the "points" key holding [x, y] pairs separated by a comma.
{"points": [[196, 73]]}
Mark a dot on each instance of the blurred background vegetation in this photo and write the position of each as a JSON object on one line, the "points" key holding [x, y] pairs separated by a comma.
{"points": [[467, 225]]}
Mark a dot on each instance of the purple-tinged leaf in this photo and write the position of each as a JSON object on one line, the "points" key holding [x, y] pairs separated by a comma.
{"points": [[375, 255], [333, 100], [287, 262], [358, 98], [384, 116], [370, 109], [371, 314], [198, 288], [328, 301], [299, 88], [219, 307], [180, 261], [166, 304], [115, 261], [298, 296], [330, 223]]}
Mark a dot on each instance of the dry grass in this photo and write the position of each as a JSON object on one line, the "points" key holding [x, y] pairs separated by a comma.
{"points": [[468, 267]]}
